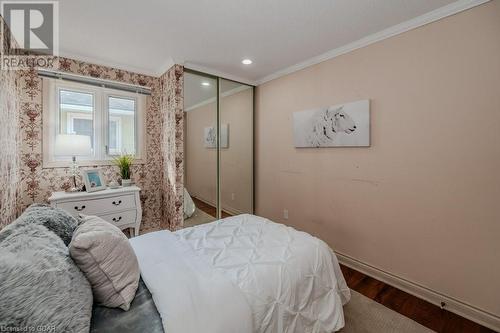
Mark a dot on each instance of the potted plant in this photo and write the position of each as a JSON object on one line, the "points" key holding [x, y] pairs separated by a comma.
{"points": [[124, 162]]}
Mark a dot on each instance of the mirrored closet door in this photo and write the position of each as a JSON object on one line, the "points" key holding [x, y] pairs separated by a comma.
{"points": [[236, 148], [200, 149], [218, 148]]}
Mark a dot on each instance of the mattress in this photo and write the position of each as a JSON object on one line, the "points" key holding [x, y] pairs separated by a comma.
{"points": [[242, 274]]}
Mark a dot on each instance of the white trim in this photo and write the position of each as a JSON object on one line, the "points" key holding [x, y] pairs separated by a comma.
{"points": [[414, 23], [213, 99], [107, 63], [169, 63], [454, 305]]}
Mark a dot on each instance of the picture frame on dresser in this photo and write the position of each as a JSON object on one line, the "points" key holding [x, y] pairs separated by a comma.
{"points": [[121, 207], [94, 180]]}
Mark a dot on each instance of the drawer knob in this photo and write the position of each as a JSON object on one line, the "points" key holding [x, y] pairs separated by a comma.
{"points": [[117, 203], [80, 208], [117, 219]]}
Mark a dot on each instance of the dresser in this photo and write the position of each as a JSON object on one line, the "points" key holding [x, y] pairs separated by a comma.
{"points": [[121, 206]]}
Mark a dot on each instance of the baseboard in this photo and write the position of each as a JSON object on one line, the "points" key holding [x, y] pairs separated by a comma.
{"points": [[232, 211], [229, 210], [452, 304]]}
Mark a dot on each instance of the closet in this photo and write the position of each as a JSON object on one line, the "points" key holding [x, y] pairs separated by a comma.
{"points": [[218, 148]]}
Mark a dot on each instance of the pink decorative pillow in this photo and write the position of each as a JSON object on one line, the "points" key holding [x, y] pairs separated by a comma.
{"points": [[105, 256]]}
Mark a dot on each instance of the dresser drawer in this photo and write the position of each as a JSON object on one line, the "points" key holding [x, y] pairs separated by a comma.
{"points": [[99, 206], [120, 218]]}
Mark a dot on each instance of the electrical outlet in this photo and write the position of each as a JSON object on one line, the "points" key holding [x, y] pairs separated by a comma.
{"points": [[232, 196], [285, 214]]}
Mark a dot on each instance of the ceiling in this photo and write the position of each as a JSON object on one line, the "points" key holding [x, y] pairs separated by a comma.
{"points": [[148, 36]]}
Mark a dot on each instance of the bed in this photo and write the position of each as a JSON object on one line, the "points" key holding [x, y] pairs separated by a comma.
{"points": [[241, 274]]}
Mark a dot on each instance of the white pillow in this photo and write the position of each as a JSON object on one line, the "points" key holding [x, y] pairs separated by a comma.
{"points": [[105, 256]]}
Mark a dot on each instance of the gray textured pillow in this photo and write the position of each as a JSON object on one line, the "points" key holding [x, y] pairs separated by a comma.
{"points": [[55, 219], [105, 256], [40, 286]]}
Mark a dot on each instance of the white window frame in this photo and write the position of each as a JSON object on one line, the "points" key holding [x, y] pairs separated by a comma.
{"points": [[51, 125]]}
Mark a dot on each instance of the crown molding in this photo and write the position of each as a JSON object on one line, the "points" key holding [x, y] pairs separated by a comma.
{"points": [[165, 67], [435, 15], [100, 62]]}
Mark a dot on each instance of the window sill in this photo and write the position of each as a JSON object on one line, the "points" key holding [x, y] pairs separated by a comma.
{"points": [[67, 164]]}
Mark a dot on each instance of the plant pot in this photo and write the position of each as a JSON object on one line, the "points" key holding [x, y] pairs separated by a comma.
{"points": [[126, 182]]}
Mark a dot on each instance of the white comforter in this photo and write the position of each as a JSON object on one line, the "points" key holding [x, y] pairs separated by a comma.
{"points": [[242, 274]]}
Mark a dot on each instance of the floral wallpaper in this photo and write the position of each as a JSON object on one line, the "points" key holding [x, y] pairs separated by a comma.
{"points": [[10, 166], [172, 145], [160, 201]]}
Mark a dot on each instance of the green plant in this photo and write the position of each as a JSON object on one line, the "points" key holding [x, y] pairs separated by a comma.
{"points": [[124, 162]]}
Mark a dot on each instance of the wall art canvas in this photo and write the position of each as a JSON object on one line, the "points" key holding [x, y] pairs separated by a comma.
{"points": [[344, 125], [210, 136]]}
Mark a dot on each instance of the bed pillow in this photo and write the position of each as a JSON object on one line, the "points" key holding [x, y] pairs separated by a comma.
{"points": [[40, 285], [54, 219], [105, 256]]}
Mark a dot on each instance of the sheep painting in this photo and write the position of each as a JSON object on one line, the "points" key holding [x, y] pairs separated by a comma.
{"points": [[346, 125], [210, 136]]}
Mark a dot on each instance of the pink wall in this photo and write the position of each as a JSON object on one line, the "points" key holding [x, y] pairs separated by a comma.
{"points": [[423, 201]]}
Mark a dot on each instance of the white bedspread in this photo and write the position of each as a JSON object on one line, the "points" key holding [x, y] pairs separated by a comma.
{"points": [[242, 274]]}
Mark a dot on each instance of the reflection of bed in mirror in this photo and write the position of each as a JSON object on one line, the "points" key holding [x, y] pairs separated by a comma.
{"points": [[189, 206], [193, 215]]}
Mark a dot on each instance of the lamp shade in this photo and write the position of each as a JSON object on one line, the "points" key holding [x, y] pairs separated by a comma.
{"points": [[72, 145]]}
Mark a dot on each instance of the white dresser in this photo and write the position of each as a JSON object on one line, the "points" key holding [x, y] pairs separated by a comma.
{"points": [[121, 206]]}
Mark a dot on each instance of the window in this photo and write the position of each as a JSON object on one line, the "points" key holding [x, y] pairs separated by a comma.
{"points": [[112, 119], [121, 120]]}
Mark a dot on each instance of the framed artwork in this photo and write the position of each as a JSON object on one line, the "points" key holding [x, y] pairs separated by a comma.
{"points": [[210, 136], [344, 125], [94, 180]]}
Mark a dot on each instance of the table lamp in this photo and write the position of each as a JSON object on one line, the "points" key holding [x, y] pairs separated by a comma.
{"points": [[73, 145]]}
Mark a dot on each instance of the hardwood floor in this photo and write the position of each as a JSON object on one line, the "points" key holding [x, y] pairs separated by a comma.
{"points": [[423, 312], [210, 210]]}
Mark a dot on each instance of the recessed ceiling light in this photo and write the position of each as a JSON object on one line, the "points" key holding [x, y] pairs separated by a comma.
{"points": [[206, 84], [246, 62]]}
